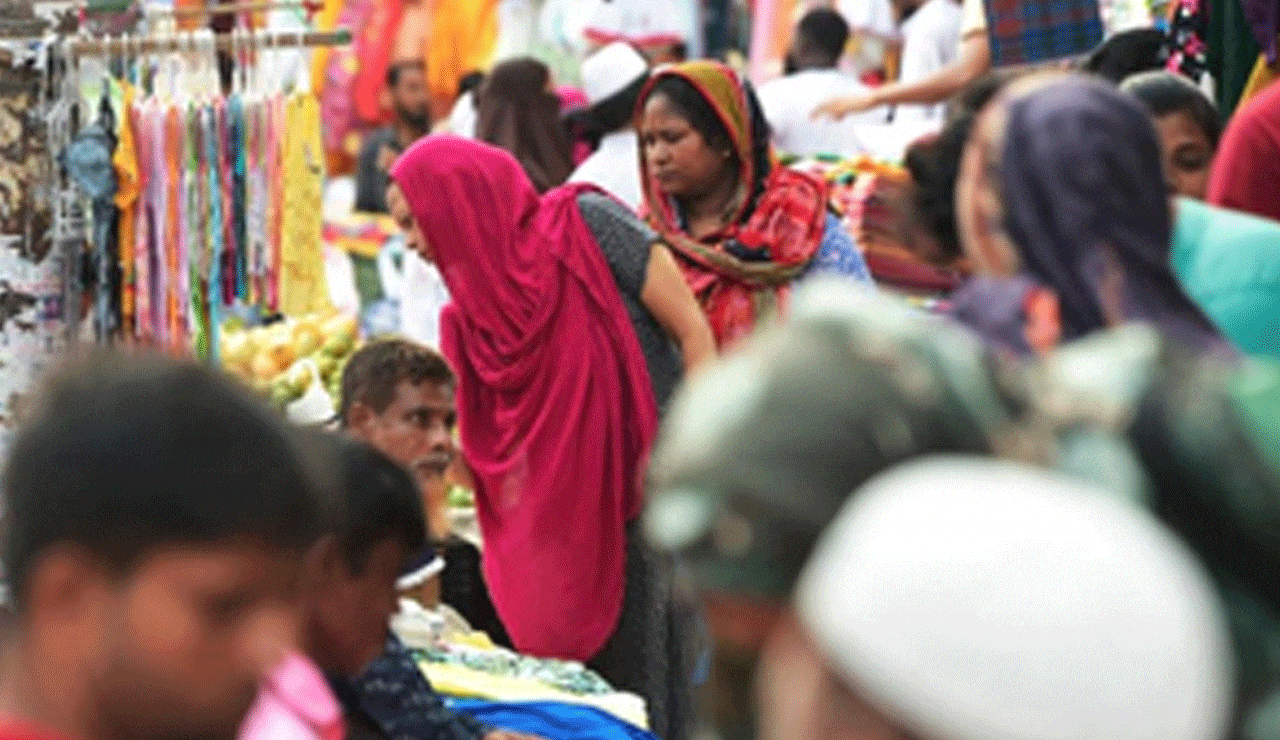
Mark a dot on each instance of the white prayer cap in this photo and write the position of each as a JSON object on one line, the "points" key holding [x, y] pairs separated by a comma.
{"points": [[972, 599], [611, 69]]}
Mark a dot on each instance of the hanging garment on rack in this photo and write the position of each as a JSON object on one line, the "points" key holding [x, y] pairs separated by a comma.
{"points": [[88, 162], [226, 283], [275, 200], [235, 148], [128, 190], [255, 199], [175, 230], [218, 183], [141, 329], [338, 85], [303, 288], [195, 257]]}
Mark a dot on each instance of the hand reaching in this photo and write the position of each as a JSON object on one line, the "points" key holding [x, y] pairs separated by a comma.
{"points": [[505, 735], [838, 108]]}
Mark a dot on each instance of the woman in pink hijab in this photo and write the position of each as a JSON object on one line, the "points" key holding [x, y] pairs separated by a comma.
{"points": [[569, 328]]}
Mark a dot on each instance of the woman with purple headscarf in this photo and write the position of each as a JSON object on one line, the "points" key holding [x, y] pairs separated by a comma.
{"points": [[1062, 183]]}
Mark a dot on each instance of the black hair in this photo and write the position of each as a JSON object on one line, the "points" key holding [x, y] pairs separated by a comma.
{"points": [[971, 100], [122, 455], [378, 501], [823, 30], [398, 68], [470, 81], [613, 113], [373, 372], [1128, 53], [934, 164], [704, 119], [1164, 93]]}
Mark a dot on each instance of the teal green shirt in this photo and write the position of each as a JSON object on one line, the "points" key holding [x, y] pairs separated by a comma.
{"points": [[1229, 264]]}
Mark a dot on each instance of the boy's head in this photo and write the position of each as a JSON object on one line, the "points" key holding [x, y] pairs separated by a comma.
{"points": [[351, 576], [156, 518], [820, 39]]}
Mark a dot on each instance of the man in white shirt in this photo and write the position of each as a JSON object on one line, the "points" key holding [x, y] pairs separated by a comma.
{"points": [[788, 103], [972, 61], [930, 43], [613, 79]]}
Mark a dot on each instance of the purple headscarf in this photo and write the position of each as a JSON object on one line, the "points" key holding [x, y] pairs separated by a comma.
{"points": [[1083, 186], [994, 308]]}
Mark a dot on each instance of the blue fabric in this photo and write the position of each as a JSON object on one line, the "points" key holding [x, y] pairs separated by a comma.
{"points": [[89, 165], [838, 255], [236, 140], [213, 294], [552, 720]]}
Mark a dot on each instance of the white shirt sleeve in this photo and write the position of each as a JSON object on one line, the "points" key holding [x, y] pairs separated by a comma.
{"points": [[975, 18]]}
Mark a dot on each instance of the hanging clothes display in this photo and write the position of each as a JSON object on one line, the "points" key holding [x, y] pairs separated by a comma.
{"points": [[201, 202]]}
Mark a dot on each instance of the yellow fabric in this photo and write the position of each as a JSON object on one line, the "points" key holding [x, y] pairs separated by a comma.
{"points": [[468, 683], [303, 287], [128, 190], [1262, 76], [726, 94], [325, 20], [463, 36]]}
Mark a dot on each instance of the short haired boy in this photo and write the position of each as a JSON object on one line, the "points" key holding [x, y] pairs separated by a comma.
{"points": [[156, 519]]}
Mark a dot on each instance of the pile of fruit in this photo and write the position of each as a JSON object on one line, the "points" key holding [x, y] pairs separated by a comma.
{"points": [[285, 359]]}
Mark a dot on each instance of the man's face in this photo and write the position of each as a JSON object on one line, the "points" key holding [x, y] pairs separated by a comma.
{"points": [[415, 240], [800, 698], [415, 430], [180, 645], [979, 211], [409, 98]]}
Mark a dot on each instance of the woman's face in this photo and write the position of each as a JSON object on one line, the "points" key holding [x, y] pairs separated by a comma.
{"points": [[680, 160], [414, 238], [1187, 154], [979, 213]]}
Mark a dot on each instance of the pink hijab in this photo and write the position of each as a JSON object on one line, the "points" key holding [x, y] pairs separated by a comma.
{"points": [[555, 405]]}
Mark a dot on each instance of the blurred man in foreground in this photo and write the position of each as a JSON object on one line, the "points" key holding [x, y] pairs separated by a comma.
{"points": [[156, 518]]}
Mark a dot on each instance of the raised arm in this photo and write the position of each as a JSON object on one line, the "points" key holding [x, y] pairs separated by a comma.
{"points": [[974, 61]]}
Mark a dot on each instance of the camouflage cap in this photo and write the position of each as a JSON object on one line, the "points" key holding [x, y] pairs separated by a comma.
{"points": [[1196, 437], [759, 452]]}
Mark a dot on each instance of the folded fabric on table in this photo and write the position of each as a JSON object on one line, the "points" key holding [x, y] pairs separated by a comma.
{"points": [[463, 682], [552, 720], [564, 675]]}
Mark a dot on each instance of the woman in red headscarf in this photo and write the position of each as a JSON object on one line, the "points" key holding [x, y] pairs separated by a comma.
{"points": [[564, 328], [743, 227]]}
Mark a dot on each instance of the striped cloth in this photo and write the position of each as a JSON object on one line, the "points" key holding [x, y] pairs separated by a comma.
{"points": [[1034, 31]]}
